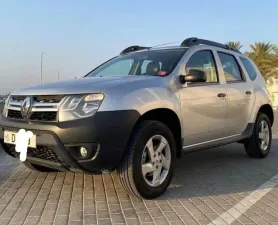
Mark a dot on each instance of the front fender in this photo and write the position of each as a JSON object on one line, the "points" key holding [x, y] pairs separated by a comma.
{"points": [[142, 100]]}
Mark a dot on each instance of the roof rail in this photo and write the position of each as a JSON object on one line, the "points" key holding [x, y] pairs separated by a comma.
{"points": [[133, 48], [196, 41]]}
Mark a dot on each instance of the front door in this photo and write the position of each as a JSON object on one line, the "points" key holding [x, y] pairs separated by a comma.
{"points": [[203, 105]]}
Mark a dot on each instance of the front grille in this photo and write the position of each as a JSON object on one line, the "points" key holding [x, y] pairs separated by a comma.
{"points": [[44, 116], [41, 108], [41, 152], [14, 114], [48, 98], [18, 98]]}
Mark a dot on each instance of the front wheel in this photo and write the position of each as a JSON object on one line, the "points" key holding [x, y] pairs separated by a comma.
{"points": [[147, 167], [259, 144]]}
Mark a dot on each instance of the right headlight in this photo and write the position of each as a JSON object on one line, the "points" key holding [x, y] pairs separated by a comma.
{"points": [[80, 106]]}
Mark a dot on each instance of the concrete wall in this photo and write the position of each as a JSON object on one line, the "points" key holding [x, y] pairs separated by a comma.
{"points": [[273, 87], [275, 103]]}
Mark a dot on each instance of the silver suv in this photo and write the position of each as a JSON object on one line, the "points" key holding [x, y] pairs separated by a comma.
{"points": [[139, 111]]}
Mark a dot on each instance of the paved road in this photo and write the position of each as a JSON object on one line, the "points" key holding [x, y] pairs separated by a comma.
{"points": [[212, 185]]}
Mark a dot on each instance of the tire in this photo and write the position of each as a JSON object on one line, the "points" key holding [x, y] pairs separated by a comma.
{"points": [[253, 145], [38, 167], [130, 171]]}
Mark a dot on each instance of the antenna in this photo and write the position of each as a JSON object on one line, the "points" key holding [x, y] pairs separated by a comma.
{"points": [[165, 44]]}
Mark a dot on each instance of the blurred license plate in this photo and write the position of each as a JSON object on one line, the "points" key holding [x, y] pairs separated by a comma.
{"points": [[10, 138]]}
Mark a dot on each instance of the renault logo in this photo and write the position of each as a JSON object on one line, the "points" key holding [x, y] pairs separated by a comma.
{"points": [[25, 107]]}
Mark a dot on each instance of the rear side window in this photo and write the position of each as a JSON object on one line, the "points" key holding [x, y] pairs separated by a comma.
{"points": [[249, 68], [230, 67]]}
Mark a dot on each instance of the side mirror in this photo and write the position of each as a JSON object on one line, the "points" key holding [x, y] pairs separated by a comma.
{"points": [[193, 76]]}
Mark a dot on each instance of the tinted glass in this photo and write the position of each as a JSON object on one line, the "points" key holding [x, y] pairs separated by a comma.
{"points": [[145, 64], [204, 61], [249, 68], [230, 67], [150, 63], [121, 67]]}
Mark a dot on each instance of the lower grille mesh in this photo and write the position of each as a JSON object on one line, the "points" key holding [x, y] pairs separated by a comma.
{"points": [[14, 114], [41, 152], [36, 116], [44, 116]]}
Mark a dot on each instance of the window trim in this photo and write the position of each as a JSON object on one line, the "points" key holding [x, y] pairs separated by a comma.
{"points": [[238, 64], [216, 70], [197, 84]]}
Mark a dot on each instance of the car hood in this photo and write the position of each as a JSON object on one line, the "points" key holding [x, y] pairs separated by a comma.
{"points": [[83, 85]]}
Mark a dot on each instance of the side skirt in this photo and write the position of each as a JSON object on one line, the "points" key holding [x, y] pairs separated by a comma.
{"points": [[221, 141]]}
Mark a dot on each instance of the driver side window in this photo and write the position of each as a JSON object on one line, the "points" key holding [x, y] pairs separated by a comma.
{"points": [[203, 60]]}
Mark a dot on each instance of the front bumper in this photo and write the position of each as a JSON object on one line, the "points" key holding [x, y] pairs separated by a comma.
{"points": [[105, 136]]}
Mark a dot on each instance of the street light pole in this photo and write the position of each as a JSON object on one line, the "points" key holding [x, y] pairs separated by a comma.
{"points": [[41, 64], [58, 75]]}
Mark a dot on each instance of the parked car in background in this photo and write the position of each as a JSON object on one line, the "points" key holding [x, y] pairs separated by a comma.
{"points": [[139, 111]]}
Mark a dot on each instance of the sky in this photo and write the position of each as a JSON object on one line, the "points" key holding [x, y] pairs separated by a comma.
{"points": [[76, 36]]}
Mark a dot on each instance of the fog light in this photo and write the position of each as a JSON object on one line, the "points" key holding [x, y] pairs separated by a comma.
{"points": [[83, 151]]}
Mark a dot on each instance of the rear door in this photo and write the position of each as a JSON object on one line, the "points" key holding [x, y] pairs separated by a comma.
{"points": [[240, 93]]}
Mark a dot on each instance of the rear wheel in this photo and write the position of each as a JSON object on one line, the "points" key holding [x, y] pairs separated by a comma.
{"points": [[259, 144], [38, 168], [147, 167]]}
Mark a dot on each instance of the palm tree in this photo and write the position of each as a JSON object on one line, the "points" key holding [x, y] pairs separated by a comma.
{"points": [[262, 48], [276, 50], [276, 62], [264, 57], [233, 44]]}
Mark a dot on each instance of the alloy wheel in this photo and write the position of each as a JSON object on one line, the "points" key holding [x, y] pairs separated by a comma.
{"points": [[264, 135], [156, 160]]}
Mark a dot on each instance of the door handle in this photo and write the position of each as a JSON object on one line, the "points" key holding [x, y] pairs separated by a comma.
{"points": [[248, 92], [221, 95]]}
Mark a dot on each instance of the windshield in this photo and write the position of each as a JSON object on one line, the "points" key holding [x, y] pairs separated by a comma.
{"points": [[149, 63]]}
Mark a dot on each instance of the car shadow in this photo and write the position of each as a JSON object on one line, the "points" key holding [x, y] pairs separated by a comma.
{"points": [[7, 165], [220, 171]]}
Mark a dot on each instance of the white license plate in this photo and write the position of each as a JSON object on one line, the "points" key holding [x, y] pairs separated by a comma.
{"points": [[10, 138]]}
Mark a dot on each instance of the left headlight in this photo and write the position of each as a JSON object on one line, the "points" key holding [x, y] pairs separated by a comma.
{"points": [[5, 102], [80, 106]]}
